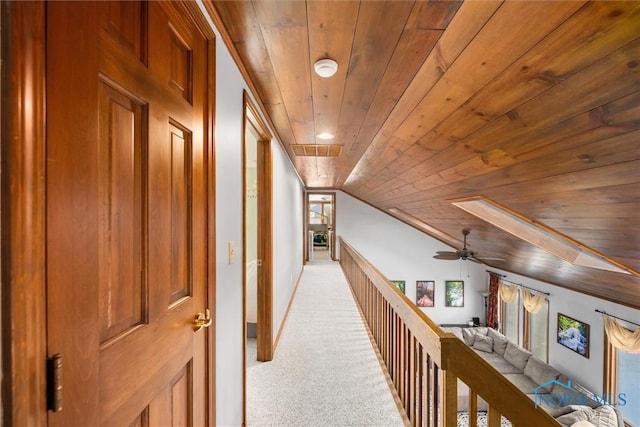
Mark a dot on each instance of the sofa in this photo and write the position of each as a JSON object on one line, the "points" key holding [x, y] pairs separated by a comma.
{"points": [[567, 401]]}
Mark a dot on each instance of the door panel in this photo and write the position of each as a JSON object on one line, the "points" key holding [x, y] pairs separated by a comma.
{"points": [[121, 289], [127, 212]]}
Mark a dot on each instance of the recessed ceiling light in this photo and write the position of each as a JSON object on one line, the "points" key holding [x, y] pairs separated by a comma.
{"points": [[325, 67], [324, 135], [324, 175]]}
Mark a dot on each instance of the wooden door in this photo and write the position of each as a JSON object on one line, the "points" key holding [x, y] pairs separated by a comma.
{"points": [[127, 213]]}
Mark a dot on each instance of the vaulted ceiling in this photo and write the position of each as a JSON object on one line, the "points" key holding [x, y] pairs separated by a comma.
{"points": [[533, 105]]}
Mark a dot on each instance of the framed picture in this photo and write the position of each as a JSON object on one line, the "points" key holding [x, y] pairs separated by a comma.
{"points": [[424, 293], [399, 284], [454, 293], [573, 334]]}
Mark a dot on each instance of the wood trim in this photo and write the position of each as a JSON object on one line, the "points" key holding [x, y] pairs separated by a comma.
{"points": [[286, 313], [198, 17], [23, 214], [305, 223], [265, 207], [610, 368], [265, 243], [211, 223], [526, 333]]}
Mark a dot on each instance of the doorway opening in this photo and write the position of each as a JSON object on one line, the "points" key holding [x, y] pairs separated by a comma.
{"points": [[256, 253], [320, 227]]}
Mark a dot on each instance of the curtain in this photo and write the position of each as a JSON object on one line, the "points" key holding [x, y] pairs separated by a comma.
{"points": [[621, 338], [492, 309], [532, 302], [508, 293]]}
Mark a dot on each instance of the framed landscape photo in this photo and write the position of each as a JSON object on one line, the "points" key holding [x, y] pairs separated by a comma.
{"points": [[573, 334], [399, 284], [424, 293], [454, 293]]}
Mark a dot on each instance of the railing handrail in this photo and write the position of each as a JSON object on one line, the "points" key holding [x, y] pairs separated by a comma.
{"points": [[410, 314], [451, 355]]}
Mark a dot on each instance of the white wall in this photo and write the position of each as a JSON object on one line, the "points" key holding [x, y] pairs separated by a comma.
{"points": [[229, 318], [401, 252], [287, 235], [287, 231]]}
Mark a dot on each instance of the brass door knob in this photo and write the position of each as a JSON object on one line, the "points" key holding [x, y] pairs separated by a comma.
{"points": [[202, 320]]}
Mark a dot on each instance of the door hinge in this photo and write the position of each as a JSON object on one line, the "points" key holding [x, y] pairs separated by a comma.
{"points": [[54, 383]]}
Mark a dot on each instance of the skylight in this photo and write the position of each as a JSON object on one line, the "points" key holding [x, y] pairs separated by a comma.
{"points": [[538, 234]]}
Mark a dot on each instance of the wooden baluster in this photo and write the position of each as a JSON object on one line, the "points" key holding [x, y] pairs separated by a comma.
{"points": [[473, 408], [493, 417], [450, 399]]}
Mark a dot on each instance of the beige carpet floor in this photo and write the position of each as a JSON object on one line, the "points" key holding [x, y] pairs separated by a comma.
{"points": [[325, 371]]}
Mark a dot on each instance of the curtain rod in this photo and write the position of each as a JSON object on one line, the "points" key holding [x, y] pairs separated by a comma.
{"points": [[616, 317], [517, 284]]}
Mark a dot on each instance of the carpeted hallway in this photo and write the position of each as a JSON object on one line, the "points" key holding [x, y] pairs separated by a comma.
{"points": [[325, 371]]}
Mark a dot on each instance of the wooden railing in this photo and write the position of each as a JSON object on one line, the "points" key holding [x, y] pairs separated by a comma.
{"points": [[425, 363]]}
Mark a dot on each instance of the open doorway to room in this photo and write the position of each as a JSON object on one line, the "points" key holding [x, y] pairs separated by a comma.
{"points": [[256, 253], [320, 227]]}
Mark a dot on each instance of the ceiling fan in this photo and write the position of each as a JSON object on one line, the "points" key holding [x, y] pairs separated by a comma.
{"points": [[464, 253]]}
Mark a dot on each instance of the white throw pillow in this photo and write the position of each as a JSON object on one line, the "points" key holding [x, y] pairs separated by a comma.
{"points": [[483, 343], [499, 341], [516, 355], [468, 336]]}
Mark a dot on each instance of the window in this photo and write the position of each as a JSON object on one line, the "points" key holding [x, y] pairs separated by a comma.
{"points": [[621, 372], [511, 319], [536, 332]]}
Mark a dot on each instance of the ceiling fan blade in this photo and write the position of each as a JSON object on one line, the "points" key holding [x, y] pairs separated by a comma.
{"points": [[487, 258], [446, 255]]}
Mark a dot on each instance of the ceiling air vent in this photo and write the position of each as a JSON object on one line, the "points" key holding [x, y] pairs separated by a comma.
{"points": [[317, 150]]}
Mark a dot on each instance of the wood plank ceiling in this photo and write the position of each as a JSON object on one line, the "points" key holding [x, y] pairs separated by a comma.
{"points": [[535, 105]]}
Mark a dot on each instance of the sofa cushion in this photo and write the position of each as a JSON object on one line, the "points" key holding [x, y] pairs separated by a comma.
{"points": [[500, 364], [483, 343], [604, 416], [571, 393], [567, 409], [545, 401], [541, 373], [499, 341], [583, 414], [517, 356], [521, 381], [583, 423], [482, 330], [468, 336]]}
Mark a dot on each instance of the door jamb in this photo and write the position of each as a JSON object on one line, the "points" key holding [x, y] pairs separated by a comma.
{"points": [[265, 207], [305, 223], [23, 214]]}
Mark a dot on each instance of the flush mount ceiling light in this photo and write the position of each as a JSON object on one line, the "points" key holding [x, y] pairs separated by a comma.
{"points": [[324, 135], [325, 67], [538, 234]]}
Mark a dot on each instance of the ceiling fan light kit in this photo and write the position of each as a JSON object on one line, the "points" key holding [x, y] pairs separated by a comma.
{"points": [[325, 67]]}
